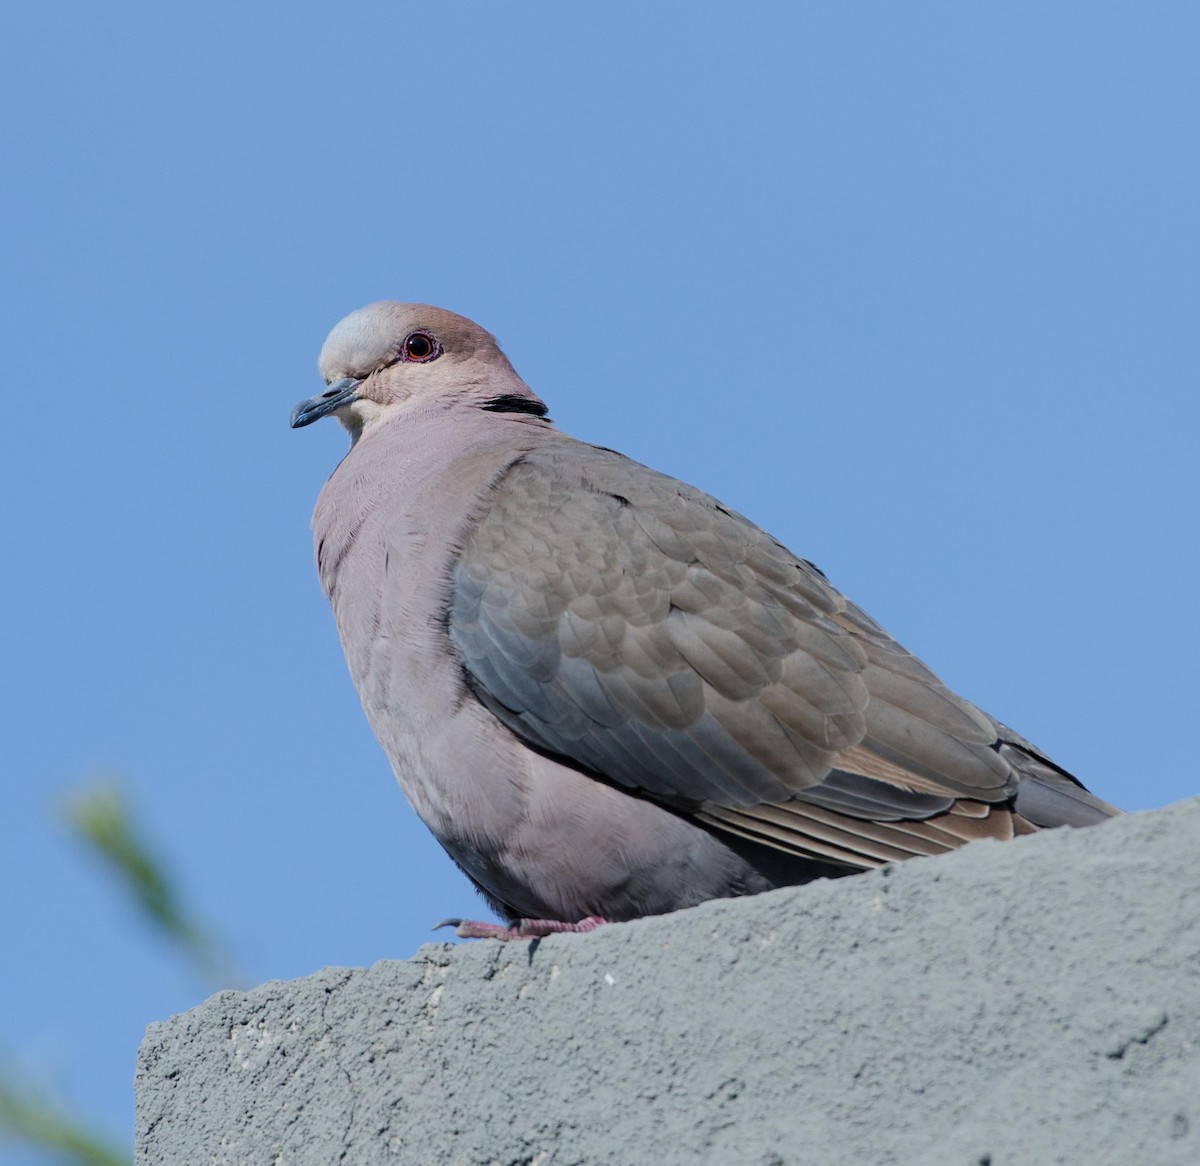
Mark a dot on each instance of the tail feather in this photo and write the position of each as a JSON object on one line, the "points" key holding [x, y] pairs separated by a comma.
{"points": [[1048, 795]]}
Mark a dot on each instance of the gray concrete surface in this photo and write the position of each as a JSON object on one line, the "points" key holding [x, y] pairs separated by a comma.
{"points": [[1017, 1004]]}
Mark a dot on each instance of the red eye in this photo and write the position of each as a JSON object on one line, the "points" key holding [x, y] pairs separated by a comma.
{"points": [[421, 346]]}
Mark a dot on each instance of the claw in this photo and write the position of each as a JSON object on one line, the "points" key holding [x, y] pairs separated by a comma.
{"points": [[522, 929]]}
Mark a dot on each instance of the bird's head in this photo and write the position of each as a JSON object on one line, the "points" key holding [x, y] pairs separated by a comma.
{"points": [[388, 357]]}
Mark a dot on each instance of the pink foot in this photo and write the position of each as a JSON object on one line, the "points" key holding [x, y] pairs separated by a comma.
{"points": [[523, 929]]}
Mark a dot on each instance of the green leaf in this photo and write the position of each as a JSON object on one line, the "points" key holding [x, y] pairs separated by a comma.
{"points": [[29, 1116]]}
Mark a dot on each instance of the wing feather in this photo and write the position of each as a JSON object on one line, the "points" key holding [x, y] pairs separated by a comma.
{"points": [[637, 628]]}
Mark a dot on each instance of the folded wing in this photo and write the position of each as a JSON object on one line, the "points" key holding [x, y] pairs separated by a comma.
{"points": [[635, 628]]}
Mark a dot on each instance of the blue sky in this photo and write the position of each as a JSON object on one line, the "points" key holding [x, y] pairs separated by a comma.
{"points": [[914, 286]]}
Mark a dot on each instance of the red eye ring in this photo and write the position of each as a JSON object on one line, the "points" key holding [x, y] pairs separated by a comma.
{"points": [[420, 348]]}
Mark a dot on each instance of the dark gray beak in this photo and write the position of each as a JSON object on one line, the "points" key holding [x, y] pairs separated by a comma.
{"points": [[339, 394]]}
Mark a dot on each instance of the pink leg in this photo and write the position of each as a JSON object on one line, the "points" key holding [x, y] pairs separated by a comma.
{"points": [[523, 929]]}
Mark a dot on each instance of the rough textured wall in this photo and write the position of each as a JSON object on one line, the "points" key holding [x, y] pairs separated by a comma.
{"points": [[1020, 1003]]}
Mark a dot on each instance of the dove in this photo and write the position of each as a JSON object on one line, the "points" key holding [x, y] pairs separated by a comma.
{"points": [[607, 694]]}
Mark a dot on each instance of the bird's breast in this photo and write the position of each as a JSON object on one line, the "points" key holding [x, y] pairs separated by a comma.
{"points": [[387, 528]]}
